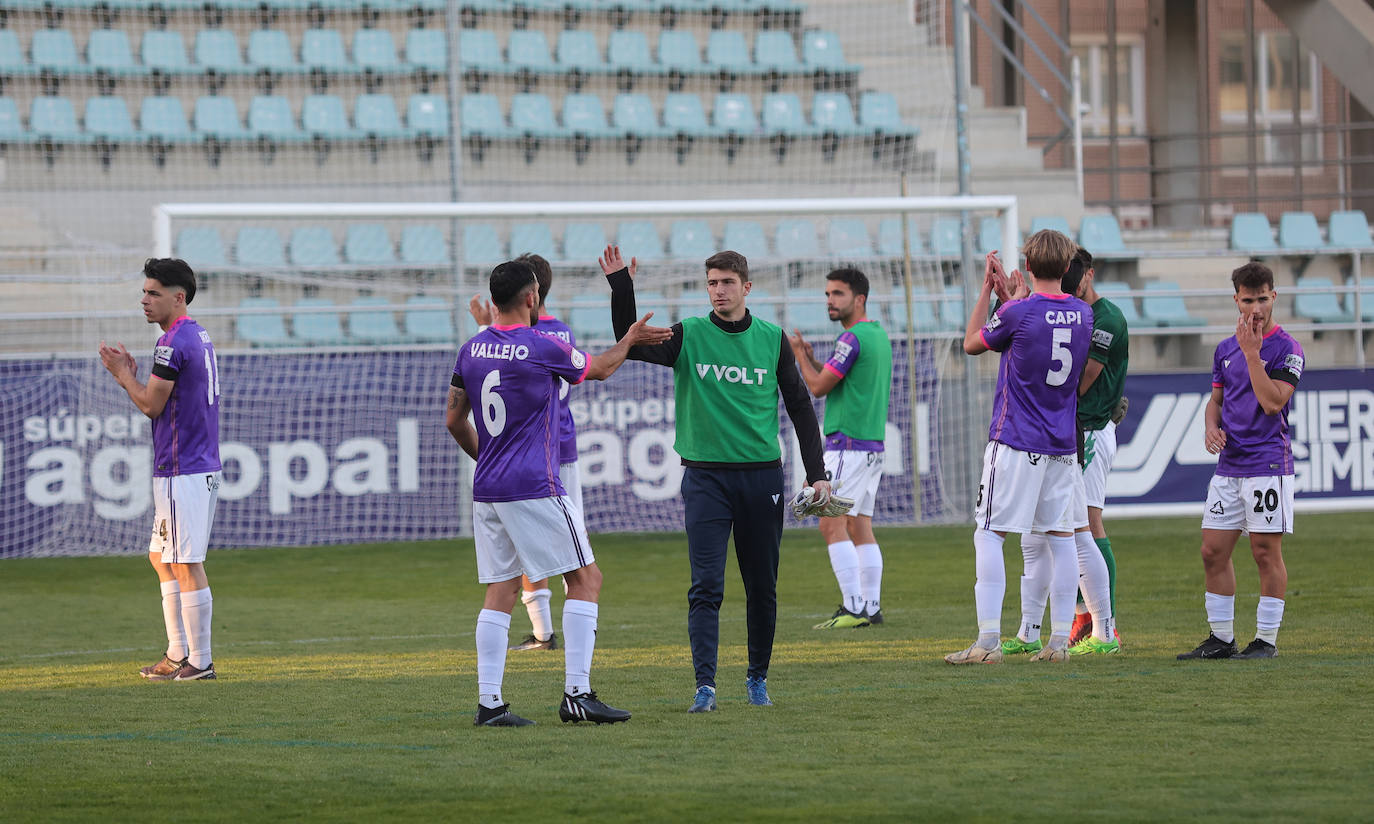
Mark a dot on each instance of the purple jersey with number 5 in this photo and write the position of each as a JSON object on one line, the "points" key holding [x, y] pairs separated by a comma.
{"points": [[1044, 344], [511, 376], [186, 433], [1257, 445], [567, 446]]}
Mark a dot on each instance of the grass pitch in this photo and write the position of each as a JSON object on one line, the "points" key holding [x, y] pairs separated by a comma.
{"points": [[347, 687]]}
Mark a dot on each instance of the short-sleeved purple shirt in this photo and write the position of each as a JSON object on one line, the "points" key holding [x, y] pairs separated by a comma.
{"points": [[186, 433], [511, 375], [1257, 445], [1044, 344], [567, 446]]}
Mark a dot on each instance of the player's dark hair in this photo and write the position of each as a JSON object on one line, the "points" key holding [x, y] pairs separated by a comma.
{"points": [[543, 273], [1078, 267], [172, 272], [1048, 254], [856, 281], [729, 262], [509, 282], [1254, 276]]}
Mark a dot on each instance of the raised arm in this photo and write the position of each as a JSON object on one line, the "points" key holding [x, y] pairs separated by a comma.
{"points": [[623, 311], [973, 334], [150, 398], [457, 423], [818, 379], [1271, 394], [639, 334]]}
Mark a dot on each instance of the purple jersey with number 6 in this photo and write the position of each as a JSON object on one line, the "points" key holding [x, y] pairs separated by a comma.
{"points": [[186, 433], [511, 376], [1257, 445], [1044, 344], [567, 446]]}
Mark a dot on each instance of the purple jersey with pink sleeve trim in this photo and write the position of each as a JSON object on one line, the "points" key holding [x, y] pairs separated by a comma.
{"points": [[845, 355], [1044, 344], [567, 444], [186, 432], [511, 375], [1257, 445]]}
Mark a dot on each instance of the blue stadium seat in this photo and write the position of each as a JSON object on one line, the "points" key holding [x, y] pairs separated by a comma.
{"points": [[12, 129], [639, 238], [427, 114], [762, 305], [583, 115], [424, 245], [583, 241], [54, 119], [427, 49], [727, 52], [323, 116], [107, 118], [529, 49], [108, 52], [944, 237], [12, 60], [481, 244], [1116, 293], [808, 314], [270, 50], [375, 53], [1250, 232], [202, 247], [1299, 231], [952, 309], [479, 51], [678, 53], [218, 117], [317, 328], [55, 51], [577, 52], [164, 53], [217, 50], [313, 246], [259, 247], [375, 115], [890, 237], [923, 318], [796, 238], [690, 302], [782, 115], [1101, 235], [1054, 222], [627, 53], [990, 235], [367, 244], [734, 114], [878, 114], [848, 237], [532, 114], [377, 326], [822, 52], [590, 317], [691, 240], [323, 50], [428, 320], [832, 113], [535, 237], [1323, 307], [481, 116], [261, 330], [270, 116], [745, 237], [774, 50], [633, 114], [1349, 230], [1164, 305], [684, 115]]}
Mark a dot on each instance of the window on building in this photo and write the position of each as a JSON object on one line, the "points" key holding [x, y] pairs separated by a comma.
{"points": [[1093, 58], [1279, 81]]}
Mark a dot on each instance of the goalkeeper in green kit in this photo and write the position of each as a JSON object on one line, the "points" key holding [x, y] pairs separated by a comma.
{"points": [[729, 370]]}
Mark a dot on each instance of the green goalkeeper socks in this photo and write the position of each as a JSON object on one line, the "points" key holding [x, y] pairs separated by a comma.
{"points": [[1105, 544]]}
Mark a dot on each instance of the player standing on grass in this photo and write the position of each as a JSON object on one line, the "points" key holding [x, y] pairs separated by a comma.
{"points": [[729, 369], [536, 594], [1030, 460], [1254, 375], [855, 383], [182, 399], [523, 520]]}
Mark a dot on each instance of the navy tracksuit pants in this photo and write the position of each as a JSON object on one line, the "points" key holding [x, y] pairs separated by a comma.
{"points": [[748, 502]]}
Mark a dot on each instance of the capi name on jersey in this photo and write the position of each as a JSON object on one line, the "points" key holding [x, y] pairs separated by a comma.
{"points": [[732, 374], [1060, 317], [501, 351]]}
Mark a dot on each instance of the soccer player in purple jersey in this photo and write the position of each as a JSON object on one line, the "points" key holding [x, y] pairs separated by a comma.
{"points": [[1254, 375], [536, 594], [1031, 456], [523, 520], [182, 399]]}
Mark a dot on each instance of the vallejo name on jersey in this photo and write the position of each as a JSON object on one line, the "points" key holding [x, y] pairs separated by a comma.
{"points": [[504, 351], [731, 374]]}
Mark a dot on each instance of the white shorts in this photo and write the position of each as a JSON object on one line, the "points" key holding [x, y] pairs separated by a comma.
{"points": [[541, 537], [1024, 491], [1076, 516], [855, 474], [1263, 504], [183, 510], [572, 484], [1101, 444]]}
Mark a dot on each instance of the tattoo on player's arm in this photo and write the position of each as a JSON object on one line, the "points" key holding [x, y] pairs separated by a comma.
{"points": [[455, 397]]}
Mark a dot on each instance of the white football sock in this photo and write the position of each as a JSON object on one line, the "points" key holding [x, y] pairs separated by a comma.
{"points": [[1035, 584], [871, 575], [1064, 588], [1267, 619], [844, 560], [990, 586], [196, 609], [1221, 615], [171, 616], [579, 641], [541, 618], [1095, 584], [493, 632]]}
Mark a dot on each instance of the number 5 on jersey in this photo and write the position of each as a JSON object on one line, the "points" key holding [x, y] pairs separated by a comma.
{"points": [[1060, 354]]}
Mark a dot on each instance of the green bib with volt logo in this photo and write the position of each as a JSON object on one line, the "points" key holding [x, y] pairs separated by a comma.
{"points": [[727, 393]]}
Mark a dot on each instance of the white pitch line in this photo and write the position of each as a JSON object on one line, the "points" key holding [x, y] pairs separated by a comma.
{"points": [[267, 643]]}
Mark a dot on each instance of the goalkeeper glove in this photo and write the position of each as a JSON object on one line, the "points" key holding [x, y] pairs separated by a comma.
{"points": [[1119, 412], [806, 503]]}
